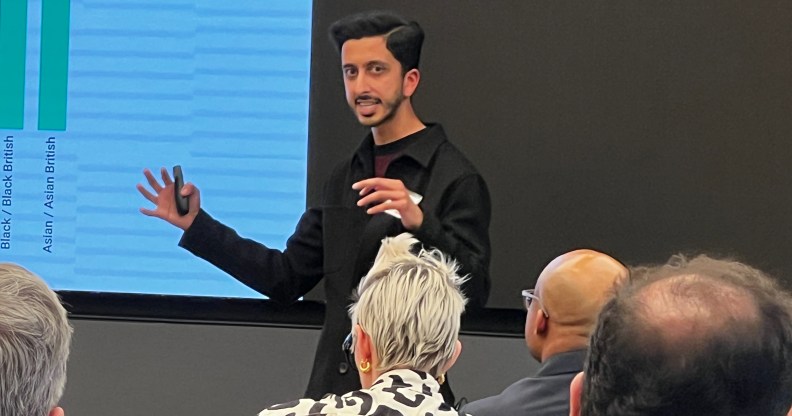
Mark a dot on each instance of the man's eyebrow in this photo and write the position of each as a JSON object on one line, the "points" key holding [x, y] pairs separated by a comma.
{"points": [[367, 64]]}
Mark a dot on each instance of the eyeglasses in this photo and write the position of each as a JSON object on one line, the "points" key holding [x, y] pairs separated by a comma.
{"points": [[348, 347], [528, 298]]}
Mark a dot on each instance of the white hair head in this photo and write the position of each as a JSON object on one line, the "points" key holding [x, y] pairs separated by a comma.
{"points": [[411, 306], [34, 344]]}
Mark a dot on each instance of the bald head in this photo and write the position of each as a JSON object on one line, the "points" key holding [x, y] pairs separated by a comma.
{"points": [[679, 313], [572, 290], [575, 285]]}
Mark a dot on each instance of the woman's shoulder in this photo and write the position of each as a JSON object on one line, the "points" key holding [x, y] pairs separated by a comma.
{"points": [[397, 392], [330, 405]]}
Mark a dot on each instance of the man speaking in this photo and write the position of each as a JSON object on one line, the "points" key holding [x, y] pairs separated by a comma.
{"points": [[404, 176]]}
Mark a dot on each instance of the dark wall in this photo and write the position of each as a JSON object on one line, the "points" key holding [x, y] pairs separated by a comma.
{"points": [[641, 129], [129, 368]]}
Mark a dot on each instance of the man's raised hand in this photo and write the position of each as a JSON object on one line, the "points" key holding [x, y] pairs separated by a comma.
{"points": [[165, 201]]}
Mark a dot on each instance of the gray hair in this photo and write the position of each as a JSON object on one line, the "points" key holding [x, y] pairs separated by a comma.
{"points": [[34, 344], [411, 306]]}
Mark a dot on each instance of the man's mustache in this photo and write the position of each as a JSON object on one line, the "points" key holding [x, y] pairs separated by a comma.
{"points": [[366, 97]]}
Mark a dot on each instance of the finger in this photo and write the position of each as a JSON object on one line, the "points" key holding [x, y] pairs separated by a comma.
{"points": [[366, 190], [166, 179], [152, 181], [388, 204], [149, 212], [146, 194], [195, 199], [188, 189], [372, 182], [361, 184], [380, 196]]}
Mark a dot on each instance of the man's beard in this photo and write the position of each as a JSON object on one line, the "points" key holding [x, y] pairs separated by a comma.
{"points": [[390, 108]]}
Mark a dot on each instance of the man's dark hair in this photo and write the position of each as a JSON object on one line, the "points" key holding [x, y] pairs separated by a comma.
{"points": [[703, 337], [403, 38]]}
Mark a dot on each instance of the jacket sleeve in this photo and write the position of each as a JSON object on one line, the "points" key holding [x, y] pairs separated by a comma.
{"points": [[460, 228], [282, 276]]}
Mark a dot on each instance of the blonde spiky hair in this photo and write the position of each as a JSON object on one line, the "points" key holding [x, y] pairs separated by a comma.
{"points": [[411, 306]]}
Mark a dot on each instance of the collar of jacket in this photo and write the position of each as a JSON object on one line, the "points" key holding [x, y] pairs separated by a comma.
{"points": [[414, 380], [421, 151], [563, 363]]}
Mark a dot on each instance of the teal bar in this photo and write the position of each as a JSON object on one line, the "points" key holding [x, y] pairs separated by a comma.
{"points": [[54, 74], [13, 33]]}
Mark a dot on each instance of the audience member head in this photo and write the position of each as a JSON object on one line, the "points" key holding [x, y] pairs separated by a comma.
{"points": [[407, 312], [569, 294], [34, 345], [703, 337], [403, 38]]}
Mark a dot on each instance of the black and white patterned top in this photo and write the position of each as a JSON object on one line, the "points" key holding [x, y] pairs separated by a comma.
{"points": [[395, 393]]}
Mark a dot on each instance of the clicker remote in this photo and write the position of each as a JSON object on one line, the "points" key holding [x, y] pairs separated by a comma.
{"points": [[182, 202]]}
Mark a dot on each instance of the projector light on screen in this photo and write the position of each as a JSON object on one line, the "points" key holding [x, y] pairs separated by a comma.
{"points": [[94, 91]]}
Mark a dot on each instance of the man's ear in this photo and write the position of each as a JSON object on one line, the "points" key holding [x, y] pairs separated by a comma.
{"points": [[540, 321], [56, 411], [576, 394], [410, 83]]}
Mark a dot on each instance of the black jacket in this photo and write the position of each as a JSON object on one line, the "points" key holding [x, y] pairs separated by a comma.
{"points": [[337, 241]]}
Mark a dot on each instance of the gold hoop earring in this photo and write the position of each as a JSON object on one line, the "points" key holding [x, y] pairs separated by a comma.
{"points": [[441, 379], [364, 366]]}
